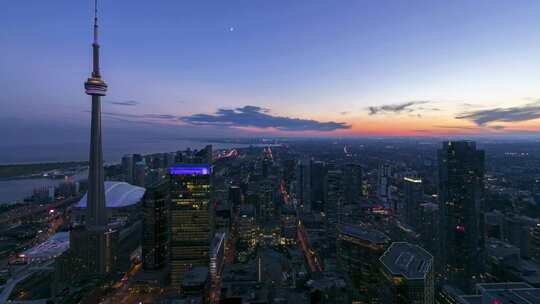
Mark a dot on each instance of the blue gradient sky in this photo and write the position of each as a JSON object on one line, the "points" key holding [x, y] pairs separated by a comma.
{"points": [[322, 61]]}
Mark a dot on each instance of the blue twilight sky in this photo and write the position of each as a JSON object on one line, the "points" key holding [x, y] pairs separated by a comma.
{"points": [[271, 67]]}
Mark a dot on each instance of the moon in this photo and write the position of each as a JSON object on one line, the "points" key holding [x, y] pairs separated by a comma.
{"points": [[231, 29]]}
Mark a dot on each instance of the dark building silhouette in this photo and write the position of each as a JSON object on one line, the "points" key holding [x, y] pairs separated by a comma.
{"points": [[413, 195], [358, 253], [303, 182], [428, 227], [334, 199], [265, 164], [235, 196], [352, 183], [318, 173], [384, 181], [155, 238], [461, 196], [127, 168], [204, 156]]}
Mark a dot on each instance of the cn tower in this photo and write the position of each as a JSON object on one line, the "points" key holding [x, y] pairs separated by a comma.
{"points": [[96, 87]]}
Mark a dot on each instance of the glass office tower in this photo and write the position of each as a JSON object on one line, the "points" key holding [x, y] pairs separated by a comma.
{"points": [[190, 220]]}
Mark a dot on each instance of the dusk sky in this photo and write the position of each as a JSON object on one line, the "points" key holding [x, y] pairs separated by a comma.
{"points": [[272, 67]]}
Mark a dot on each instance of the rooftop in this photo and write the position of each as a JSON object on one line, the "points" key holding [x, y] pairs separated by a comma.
{"points": [[118, 194], [196, 276], [408, 260], [370, 235], [246, 210], [191, 169], [470, 299], [506, 285], [529, 271], [413, 180], [429, 206], [54, 246], [504, 293], [501, 250]]}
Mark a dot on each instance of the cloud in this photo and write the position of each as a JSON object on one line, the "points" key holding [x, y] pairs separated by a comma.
{"points": [[473, 128], [513, 114], [395, 108], [429, 109], [123, 103], [124, 115], [160, 116], [470, 105], [344, 112], [457, 127], [253, 116], [140, 116]]}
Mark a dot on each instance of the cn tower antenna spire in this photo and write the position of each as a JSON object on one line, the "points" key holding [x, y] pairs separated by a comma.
{"points": [[95, 85], [95, 21], [95, 44]]}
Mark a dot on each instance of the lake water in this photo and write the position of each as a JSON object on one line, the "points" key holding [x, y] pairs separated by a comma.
{"points": [[16, 190]]}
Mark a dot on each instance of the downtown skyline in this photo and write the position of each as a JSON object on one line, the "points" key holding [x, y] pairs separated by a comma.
{"points": [[353, 153], [276, 68]]}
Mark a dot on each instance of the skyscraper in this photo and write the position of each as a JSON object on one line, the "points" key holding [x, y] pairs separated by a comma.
{"points": [[318, 176], [414, 193], [303, 183], [428, 219], [127, 168], [358, 252], [155, 238], [190, 220], [352, 183], [461, 196], [334, 199], [383, 182]]}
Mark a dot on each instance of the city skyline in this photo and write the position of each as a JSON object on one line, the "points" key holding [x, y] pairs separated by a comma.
{"points": [[277, 69], [271, 152]]}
